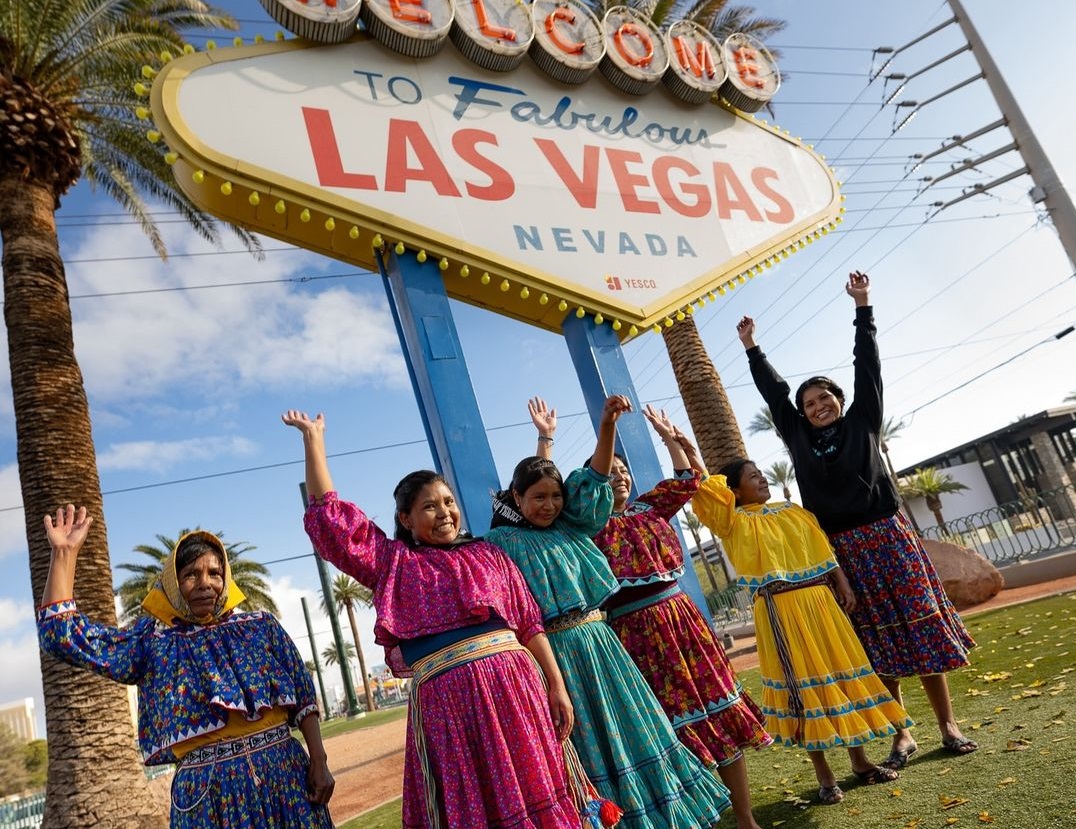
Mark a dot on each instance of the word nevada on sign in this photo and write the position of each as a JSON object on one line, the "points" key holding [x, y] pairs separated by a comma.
{"points": [[537, 197]]}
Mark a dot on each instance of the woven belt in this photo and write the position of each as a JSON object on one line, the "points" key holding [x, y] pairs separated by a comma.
{"points": [[572, 620], [235, 746], [795, 701]]}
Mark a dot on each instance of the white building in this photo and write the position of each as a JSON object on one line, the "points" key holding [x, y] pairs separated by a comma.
{"points": [[19, 717]]}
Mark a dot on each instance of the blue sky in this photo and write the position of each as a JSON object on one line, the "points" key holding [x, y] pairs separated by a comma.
{"points": [[187, 378]]}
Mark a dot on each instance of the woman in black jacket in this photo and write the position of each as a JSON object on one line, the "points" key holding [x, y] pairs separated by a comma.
{"points": [[907, 624]]}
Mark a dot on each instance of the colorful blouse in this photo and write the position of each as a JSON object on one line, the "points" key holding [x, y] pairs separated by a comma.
{"points": [[766, 542], [189, 677], [639, 543], [419, 591], [565, 571]]}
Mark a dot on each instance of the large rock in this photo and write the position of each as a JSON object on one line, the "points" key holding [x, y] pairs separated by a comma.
{"points": [[967, 577]]}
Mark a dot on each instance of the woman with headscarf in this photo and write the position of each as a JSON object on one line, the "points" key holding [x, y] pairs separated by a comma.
{"points": [[218, 689], [907, 624]]}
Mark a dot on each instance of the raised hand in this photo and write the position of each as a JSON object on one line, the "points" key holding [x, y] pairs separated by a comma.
{"points": [[859, 288], [615, 406], [665, 428], [543, 418], [67, 531], [691, 451], [745, 330], [301, 421]]}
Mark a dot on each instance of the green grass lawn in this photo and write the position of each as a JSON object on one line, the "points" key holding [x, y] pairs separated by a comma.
{"points": [[1014, 700]]}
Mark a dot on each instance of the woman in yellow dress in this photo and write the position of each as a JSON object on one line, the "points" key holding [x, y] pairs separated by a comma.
{"points": [[819, 690]]}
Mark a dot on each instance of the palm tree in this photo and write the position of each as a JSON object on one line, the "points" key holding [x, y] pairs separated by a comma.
{"points": [[891, 429], [67, 109], [781, 473], [346, 594], [694, 526], [331, 657], [1071, 398], [249, 575], [705, 400], [930, 484], [762, 422]]}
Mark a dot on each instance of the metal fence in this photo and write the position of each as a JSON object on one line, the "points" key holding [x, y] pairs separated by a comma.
{"points": [[730, 607], [1020, 530], [23, 813]]}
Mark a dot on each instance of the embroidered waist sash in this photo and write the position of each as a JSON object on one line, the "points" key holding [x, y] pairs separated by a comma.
{"points": [[795, 701], [572, 620]]}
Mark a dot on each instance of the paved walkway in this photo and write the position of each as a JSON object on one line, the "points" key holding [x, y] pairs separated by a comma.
{"points": [[743, 655]]}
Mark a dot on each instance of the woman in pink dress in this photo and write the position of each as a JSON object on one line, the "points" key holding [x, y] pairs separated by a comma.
{"points": [[453, 613]]}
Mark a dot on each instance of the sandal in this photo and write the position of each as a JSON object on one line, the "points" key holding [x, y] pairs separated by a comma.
{"points": [[879, 774], [830, 795], [898, 757], [959, 745]]}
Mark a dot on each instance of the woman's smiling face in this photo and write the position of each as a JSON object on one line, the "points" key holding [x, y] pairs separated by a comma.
{"points": [[821, 407], [542, 502], [434, 517]]}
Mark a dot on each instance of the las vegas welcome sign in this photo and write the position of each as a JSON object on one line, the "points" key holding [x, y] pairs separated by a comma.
{"points": [[549, 161]]}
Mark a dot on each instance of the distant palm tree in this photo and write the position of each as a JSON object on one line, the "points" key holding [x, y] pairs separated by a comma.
{"points": [[346, 594], [249, 575], [762, 422], [329, 654], [694, 525], [1071, 397], [781, 473], [930, 484]]}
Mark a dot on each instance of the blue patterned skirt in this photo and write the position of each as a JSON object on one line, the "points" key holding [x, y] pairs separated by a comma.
{"points": [[252, 782], [905, 621]]}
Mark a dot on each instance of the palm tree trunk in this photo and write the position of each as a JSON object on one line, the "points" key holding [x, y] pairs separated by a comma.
{"points": [[370, 706], [702, 556], [86, 716], [707, 405]]}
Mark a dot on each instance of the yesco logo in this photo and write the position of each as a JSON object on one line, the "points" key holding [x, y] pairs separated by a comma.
{"points": [[616, 283], [564, 38]]}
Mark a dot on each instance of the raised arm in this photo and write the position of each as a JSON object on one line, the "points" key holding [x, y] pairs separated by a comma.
{"points": [[66, 533], [691, 452], [770, 384], [602, 459], [867, 397], [545, 421], [318, 479]]}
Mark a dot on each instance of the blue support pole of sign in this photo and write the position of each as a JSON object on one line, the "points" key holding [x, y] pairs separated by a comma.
{"points": [[442, 383], [602, 371]]}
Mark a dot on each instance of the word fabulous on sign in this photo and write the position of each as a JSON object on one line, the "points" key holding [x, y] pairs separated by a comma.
{"points": [[563, 37]]}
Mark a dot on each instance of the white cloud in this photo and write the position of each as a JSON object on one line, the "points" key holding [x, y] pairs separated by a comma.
{"points": [[158, 456], [249, 337], [12, 525], [14, 614]]}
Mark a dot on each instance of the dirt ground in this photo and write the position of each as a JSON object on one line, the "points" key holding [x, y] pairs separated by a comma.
{"points": [[368, 766]]}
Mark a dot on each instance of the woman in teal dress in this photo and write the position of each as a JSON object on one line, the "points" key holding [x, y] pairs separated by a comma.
{"points": [[623, 737]]}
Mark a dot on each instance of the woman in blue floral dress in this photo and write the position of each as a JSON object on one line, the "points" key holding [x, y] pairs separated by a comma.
{"points": [[218, 690], [623, 737]]}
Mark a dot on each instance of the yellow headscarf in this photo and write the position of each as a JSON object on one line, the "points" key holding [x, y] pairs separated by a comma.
{"points": [[166, 602]]}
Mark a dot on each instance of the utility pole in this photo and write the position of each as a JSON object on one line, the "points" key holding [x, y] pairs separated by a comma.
{"points": [[1048, 187], [317, 663], [353, 709]]}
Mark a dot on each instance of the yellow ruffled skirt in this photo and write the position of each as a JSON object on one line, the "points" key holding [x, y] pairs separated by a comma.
{"points": [[844, 701]]}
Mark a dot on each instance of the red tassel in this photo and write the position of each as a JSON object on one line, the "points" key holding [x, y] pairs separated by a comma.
{"points": [[610, 814]]}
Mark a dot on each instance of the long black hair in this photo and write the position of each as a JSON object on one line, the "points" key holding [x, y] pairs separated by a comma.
{"points": [[733, 471], [405, 493]]}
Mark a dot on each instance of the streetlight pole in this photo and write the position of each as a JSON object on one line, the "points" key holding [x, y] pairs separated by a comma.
{"points": [[317, 662], [1049, 190], [353, 709]]}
